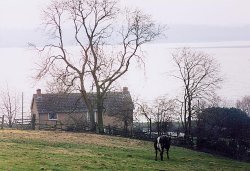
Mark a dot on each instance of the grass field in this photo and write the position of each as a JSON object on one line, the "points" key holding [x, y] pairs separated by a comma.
{"points": [[61, 151]]}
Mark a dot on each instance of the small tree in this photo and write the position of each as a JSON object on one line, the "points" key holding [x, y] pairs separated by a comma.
{"points": [[244, 104], [143, 109], [163, 111], [9, 106]]}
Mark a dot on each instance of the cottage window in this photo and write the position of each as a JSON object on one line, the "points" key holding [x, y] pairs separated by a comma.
{"points": [[52, 116]]}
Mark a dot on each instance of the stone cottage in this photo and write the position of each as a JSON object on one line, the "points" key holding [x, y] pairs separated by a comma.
{"points": [[70, 111]]}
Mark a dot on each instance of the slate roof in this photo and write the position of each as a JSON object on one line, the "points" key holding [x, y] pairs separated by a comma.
{"points": [[115, 102]]}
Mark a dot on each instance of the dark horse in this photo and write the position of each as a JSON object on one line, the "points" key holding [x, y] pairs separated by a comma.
{"points": [[161, 143]]}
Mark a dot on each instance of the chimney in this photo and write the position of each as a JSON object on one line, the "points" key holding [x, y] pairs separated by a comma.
{"points": [[38, 92], [125, 90]]}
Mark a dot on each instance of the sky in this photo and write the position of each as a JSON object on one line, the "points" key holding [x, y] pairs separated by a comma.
{"points": [[25, 14], [198, 22], [187, 20]]}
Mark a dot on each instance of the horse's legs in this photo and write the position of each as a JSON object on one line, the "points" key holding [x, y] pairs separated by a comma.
{"points": [[167, 153], [156, 154], [162, 154]]}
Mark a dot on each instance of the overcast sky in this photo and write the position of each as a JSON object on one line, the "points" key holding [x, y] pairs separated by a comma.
{"points": [[195, 21], [187, 20], [25, 14]]}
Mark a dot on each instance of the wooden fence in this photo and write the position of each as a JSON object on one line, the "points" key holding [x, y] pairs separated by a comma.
{"points": [[22, 123]]}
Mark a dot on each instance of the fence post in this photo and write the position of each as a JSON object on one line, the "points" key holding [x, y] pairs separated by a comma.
{"points": [[2, 122]]}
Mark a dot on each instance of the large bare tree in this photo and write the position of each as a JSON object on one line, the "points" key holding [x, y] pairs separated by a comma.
{"points": [[106, 39], [199, 75]]}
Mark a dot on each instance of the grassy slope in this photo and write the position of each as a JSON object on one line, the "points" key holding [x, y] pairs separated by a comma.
{"points": [[38, 150]]}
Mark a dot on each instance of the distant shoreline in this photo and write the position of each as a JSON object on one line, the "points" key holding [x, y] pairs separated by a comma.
{"points": [[212, 47], [209, 47]]}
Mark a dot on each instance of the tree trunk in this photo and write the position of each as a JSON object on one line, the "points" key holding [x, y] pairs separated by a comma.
{"points": [[33, 122], [185, 119], [88, 104], [100, 117], [92, 126], [10, 123], [189, 116]]}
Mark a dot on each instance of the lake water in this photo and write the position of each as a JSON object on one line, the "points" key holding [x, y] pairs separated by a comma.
{"points": [[17, 66], [233, 57]]}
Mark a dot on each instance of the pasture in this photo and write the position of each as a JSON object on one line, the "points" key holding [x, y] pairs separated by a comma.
{"points": [[64, 151]]}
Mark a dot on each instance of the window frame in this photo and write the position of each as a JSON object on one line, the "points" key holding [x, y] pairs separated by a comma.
{"points": [[55, 114]]}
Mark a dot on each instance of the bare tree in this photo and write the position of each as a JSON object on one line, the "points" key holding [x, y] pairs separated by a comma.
{"points": [[164, 110], [199, 74], [244, 104], [143, 109], [57, 85], [107, 39], [9, 106]]}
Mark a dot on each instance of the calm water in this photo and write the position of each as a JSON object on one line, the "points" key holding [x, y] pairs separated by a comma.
{"points": [[233, 57], [155, 80]]}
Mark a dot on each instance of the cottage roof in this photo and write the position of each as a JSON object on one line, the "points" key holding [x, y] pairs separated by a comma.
{"points": [[114, 103]]}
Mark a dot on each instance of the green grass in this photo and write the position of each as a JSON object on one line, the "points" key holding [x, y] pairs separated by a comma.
{"points": [[60, 151]]}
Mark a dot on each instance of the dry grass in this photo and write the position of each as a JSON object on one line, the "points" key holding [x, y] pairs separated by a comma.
{"points": [[76, 138]]}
